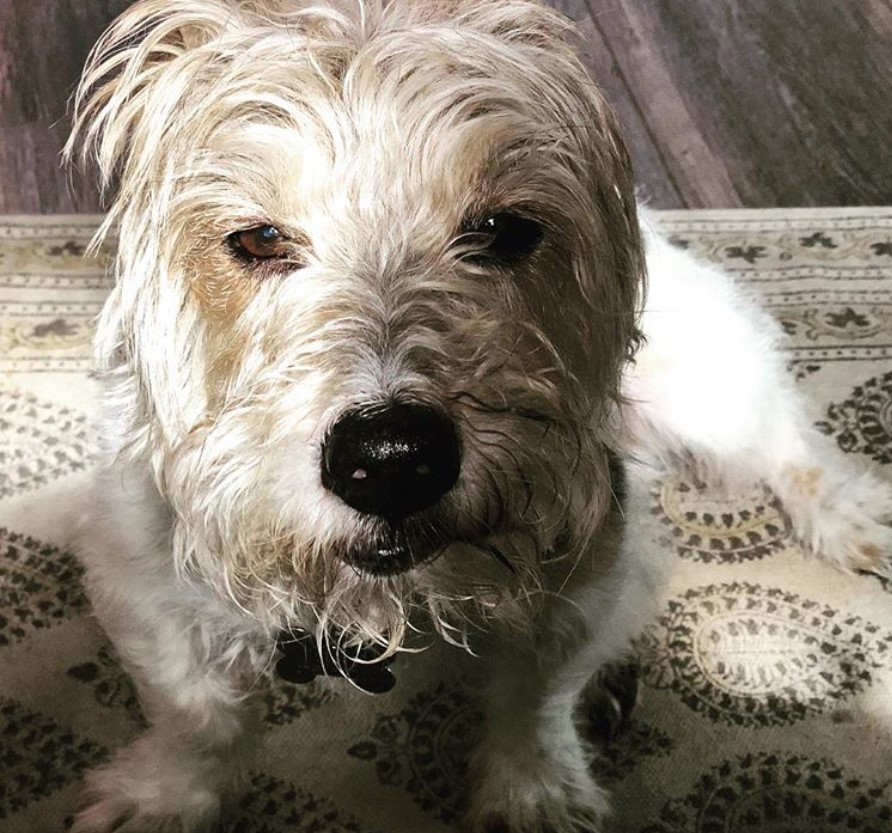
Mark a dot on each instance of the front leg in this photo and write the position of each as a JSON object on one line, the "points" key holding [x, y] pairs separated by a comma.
{"points": [[176, 776], [531, 772], [191, 658]]}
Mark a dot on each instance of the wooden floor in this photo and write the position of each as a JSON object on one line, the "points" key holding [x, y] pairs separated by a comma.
{"points": [[724, 102]]}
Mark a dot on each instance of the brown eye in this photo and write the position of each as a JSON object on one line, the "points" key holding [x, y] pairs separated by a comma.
{"points": [[260, 243], [500, 239]]}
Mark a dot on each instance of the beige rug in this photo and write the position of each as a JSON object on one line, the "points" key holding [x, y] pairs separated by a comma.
{"points": [[767, 696]]}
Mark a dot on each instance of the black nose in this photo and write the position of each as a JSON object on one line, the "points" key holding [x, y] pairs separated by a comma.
{"points": [[391, 461]]}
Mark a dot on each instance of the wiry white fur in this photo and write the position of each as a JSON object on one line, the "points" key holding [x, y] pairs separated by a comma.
{"points": [[369, 131], [355, 134]]}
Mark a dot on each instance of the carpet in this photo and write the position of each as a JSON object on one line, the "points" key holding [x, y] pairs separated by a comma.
{"points": [[767, 676]]}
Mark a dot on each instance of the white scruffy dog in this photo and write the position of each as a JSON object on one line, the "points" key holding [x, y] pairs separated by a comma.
{"points": [[378, 294]]}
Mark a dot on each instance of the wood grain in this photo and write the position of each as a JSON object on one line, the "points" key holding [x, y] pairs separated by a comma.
{"points": [[723, 102], [760, 102], [656, 184], [43, 45]]}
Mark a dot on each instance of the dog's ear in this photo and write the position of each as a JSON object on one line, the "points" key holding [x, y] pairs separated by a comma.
{"points": [[137, 75]]}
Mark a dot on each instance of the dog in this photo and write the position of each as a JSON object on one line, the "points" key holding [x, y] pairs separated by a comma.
{"points": [[387, 326]]}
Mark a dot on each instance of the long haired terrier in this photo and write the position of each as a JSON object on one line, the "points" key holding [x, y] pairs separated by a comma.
{"points": [[374, 341]]}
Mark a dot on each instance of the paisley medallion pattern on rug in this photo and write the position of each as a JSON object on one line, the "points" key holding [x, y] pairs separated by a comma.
{"points": [[774, 793], [862, 423], [760, 656], [709, 526]]}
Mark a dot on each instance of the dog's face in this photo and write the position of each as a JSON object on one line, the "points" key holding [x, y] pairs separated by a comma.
{"points": [[377, 273]]}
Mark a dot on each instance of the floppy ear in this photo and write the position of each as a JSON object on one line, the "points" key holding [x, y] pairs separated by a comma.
{"points": [[136, 75]]}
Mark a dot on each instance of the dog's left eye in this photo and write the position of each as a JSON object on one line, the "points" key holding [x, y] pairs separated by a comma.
{"points": [[260, 243], [500, 239]]}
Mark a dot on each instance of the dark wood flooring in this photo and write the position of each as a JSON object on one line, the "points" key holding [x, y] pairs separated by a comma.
{"points": [[724, 102]]}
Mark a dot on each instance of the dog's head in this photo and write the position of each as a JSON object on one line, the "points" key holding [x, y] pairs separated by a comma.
{"points": [[377, 275]]}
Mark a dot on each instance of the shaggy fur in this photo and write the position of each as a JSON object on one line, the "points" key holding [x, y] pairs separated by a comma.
{"points": [[378, 138]]}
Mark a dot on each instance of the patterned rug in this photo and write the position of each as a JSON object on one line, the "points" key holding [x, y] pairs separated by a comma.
{"points": [[767, 696]]}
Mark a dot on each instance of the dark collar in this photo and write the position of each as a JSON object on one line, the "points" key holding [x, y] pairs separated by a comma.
{"points": [[303, 660]]}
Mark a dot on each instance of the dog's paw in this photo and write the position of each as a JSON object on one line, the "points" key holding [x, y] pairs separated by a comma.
{"points": [[609, 700], [847, 521], [870, 551], [136, 793], [533, 796]]}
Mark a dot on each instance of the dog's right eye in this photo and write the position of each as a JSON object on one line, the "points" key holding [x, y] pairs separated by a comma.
{"points": [[261, 243]]}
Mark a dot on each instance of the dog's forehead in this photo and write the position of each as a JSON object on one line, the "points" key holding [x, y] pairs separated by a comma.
{"points": [[401, 128], [351, 161], [405, 113]]}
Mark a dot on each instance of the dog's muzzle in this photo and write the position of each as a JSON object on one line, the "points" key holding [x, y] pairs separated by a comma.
{"points": [[391, 462]]}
